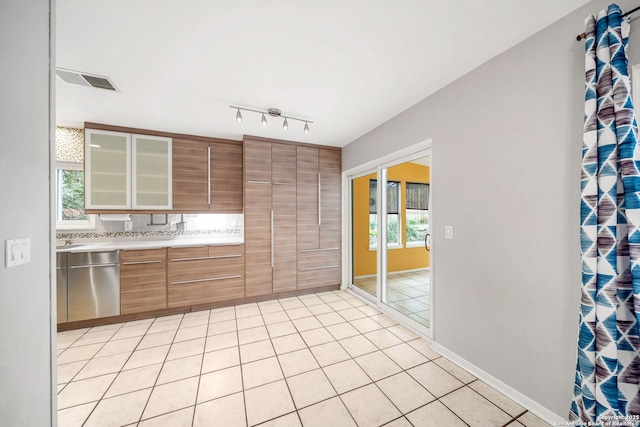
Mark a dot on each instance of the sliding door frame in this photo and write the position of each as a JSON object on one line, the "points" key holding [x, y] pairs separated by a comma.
{"points": [[380, 166]]}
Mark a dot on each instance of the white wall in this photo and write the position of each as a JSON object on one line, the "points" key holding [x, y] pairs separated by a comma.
{"points": [[25, 308], [506, 174]]}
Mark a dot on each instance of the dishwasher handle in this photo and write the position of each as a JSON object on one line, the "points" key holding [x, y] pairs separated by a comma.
{"points": [[92, 265]]}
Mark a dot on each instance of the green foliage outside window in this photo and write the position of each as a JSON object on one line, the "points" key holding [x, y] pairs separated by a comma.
{"points": [[72, 195]]}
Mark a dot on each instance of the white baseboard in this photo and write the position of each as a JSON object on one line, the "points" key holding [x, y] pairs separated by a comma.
{"points": [[513, 394]]}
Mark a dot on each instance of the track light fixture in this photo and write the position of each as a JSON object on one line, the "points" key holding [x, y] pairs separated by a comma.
{"points": [[273, 112]]}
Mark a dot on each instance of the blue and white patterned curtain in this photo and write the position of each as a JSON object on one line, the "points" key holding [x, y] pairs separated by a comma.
{"points": [[608, 369]]}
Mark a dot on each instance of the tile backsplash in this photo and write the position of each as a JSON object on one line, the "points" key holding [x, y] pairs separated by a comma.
{"points": [[222, 227]]}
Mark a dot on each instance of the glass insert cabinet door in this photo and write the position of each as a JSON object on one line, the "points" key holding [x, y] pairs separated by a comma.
{"points": [[107, 170], [125, 171], [151, 173]]}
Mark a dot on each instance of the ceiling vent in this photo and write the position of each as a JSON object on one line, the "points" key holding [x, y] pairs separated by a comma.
{"points": [[84, 79]]}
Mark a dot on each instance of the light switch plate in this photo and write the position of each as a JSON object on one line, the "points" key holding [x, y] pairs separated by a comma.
{"points": [[17, 252]]}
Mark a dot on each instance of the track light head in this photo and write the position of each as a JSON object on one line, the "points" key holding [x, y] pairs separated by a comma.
{"points": [[239, 116], [264, 120], [285, 124], [306, 127]]}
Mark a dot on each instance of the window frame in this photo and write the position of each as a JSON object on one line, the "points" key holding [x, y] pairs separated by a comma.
{"points": [[84, 224], [420, 243], [390, 245]]}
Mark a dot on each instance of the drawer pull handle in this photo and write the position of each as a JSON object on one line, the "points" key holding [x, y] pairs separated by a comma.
{"points": [[183, 282], [206, 257], [259, 182], [318, 250], [319, 268], [142, 262]]}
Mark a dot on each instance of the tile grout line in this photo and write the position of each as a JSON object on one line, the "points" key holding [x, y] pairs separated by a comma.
{"points": [[204, 350], [162, 367]]}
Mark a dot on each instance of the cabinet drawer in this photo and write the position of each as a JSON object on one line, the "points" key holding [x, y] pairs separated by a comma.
{"points": [[194, 293], [188, 253], [204, 269], [318, 277], [142, 255], [312, 259], [227, 250]]}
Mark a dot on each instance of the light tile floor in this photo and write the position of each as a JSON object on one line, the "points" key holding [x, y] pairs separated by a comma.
{"points": [[408, 293], [324, 359]]}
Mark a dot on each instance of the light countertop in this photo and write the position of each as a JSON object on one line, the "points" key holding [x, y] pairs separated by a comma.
{"points": [[145, 244]]}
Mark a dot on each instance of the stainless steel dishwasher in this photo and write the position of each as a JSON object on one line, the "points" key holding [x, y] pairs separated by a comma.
{"points": [[93, 285], [61, 285]]}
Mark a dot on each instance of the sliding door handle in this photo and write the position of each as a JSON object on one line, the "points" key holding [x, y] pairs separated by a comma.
{"points": [[427, 242]]}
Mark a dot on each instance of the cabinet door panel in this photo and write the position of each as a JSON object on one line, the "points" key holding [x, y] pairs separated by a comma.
{"points": [[258, 239], [143, 280], [190, 175], [307, 165], [308, 228], [284, 237], [151, 172], [226, 178], [107, 170], [330, 198], [283, 162], [257, 161], [258, 275]]}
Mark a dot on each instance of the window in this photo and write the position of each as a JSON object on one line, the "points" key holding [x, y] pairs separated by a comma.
{"points": [[70, 214], [393, 213], [417, 214]]}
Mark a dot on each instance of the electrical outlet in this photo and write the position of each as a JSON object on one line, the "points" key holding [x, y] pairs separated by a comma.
{"points": [[448, 232], [128, 225]]}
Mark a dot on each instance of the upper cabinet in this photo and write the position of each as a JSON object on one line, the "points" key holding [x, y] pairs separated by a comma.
{"points": [[151, 172], [107, 170], [207, 176], [127, 171]]}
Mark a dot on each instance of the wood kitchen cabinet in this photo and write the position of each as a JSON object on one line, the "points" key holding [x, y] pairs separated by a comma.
{"points": [[204, 274], [143, 280], [319, 210], [207, 176], [270, 217]]}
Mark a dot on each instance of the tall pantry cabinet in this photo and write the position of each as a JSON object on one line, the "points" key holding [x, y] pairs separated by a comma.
{"points": [[318, 216], [292, 216], [269, 216]]}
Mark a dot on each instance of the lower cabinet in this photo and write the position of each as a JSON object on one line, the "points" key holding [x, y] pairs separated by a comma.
{"points": [[318, 267], [205, 274], [143, 280]]}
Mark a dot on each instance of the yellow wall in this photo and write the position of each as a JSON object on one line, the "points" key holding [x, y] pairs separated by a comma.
{"points": [[398, 259]]}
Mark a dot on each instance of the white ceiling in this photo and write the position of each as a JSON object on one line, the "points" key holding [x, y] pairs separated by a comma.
{"points": [[347, 65]]}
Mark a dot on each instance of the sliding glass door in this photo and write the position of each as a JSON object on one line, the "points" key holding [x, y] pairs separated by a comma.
{"points": [[408, 258], [364, 271], [390, 238]]}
